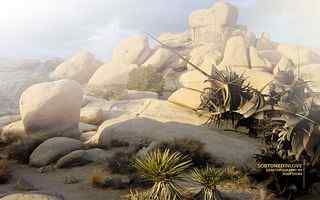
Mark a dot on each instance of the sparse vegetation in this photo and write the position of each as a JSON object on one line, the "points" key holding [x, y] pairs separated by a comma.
{"points": [[121, 163], [191, 148], [4, 171], [208, 179], [163, 169], [145, 78]]}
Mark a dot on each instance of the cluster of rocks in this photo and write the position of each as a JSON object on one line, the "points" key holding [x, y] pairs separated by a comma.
{"points": [[69, 109]]}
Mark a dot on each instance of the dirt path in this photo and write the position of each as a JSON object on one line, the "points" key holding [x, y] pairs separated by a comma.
{"points": [[54, 182]]}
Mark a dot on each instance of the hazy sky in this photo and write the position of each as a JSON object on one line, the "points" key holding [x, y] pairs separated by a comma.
{"points": [[50, 28]]}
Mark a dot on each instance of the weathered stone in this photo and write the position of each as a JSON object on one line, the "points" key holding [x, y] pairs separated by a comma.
{"points": [[298, 54], [53, 149], [194, 80], [236, 53], [31, 196], [13, 131], [264, 43], [83, 127], [133, 94], [79, 68], [110, 80], [159, 59], [75, 158], [186, 97], [175, 40], [133, 50], [311, 73], [52, 107], [224, 146], [258, 62], [209, 25], [91, 115]]}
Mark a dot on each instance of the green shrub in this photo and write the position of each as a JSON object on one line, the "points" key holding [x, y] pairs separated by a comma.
{"points": [[145, 79], [193, 149]]}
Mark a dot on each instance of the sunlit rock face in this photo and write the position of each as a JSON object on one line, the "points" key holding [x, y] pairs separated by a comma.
{"points": [[213, 24], [79, 67], [133, 50], [52, 107]]}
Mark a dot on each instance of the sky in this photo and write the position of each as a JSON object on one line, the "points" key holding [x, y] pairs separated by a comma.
{"points": [[59, 28]]}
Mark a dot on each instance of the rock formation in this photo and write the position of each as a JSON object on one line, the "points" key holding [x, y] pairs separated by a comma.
{"points": [[52, 107], [79, 67]]}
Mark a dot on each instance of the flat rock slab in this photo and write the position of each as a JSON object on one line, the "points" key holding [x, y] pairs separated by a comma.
{"points": [[53, 149], [31, 196], [230, 148]]}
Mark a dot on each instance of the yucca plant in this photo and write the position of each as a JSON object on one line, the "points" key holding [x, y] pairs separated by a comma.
{"points": [[163, 169], [135, 195], [208, 179]]}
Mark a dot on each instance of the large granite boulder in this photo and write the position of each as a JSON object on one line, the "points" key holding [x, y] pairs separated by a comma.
{"points": [[52, 107], [310, 73], [284, 65], [185, 97], [53, 149], [194, 80], [91, 115], [79, 67], [258, 62], [203, 53], [134, 94], [161, 120], [210, 25], [160, 59], [31, 196], [133, 50], [298, 54], [236, 53], [110, 80], [175, 40]]}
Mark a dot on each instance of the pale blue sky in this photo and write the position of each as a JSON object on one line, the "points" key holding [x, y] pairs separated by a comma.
{"points": [[50, 28]]}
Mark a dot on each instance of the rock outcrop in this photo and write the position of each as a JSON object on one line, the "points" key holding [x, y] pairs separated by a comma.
{"points": [[212, 25], [236, 53], [159, 59], [133, 50], [53, 149], [52, 108], [31, 196], [79, 67], [110, 80], [160, 120], [298, 54]]}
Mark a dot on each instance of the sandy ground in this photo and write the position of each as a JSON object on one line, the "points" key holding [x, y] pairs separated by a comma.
{"points": [[54, 182]]}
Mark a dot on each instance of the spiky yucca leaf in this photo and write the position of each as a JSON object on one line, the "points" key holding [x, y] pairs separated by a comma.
{"points": [[207, 178], [163, 168]]}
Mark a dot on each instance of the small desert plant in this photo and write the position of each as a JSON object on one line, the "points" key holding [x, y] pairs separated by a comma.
{"points": [[4, 171], [145, 78], [135, 195], [208, 179], [194, 149], [121, 163], [163, 169]]}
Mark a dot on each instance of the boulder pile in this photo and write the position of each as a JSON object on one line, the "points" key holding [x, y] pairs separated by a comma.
{"points": [[89, 104]]}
